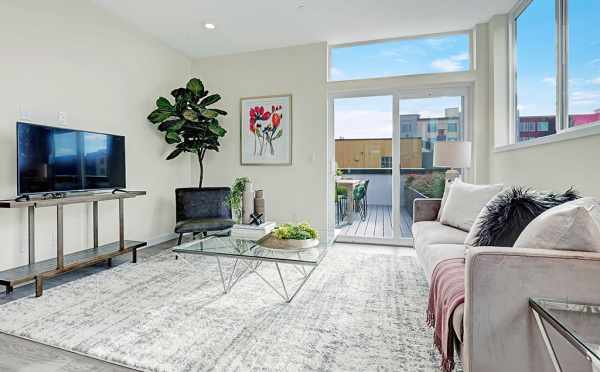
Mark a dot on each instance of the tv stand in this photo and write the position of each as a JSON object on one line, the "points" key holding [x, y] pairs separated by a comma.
{"points": [[41, 270], [116, 191]]}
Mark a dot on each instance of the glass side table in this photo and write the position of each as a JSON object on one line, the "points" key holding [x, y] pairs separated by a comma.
{"points": [[577, 323]]}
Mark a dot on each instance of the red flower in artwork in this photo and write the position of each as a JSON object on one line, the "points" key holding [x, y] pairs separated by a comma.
{"points": [[258, 113], [276, 120]]}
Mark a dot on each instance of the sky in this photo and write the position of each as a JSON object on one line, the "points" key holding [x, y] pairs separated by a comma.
{"points": [[371, 117], [536, 71], [536, 82]]}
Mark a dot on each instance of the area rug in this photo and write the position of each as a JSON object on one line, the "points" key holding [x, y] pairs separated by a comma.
{"points": [[359, 311]]}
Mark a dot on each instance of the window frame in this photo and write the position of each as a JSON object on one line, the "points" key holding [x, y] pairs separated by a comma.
{"points": [[468, 32], [561, 66]]}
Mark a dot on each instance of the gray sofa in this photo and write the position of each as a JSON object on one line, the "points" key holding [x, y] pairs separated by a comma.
{"points": [[495, 329]]}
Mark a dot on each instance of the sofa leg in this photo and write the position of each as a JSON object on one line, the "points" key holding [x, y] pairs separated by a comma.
{"points": [[180, 238]]}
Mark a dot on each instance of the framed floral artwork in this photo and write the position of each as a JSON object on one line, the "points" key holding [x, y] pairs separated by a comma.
{"points": [[266, 130]]}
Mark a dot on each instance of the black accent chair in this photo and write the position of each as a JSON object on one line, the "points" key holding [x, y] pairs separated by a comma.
{"points": [[200, 211]]}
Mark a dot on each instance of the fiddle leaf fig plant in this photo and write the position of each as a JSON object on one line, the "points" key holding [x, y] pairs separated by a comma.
{"points": [[188, 123]]}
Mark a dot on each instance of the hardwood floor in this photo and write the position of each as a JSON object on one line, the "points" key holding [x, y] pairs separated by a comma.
{"points": [[20, 355], [378, 223]]}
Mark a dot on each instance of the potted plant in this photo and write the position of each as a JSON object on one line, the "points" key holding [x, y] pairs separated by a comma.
{"points": [[189, 123], [235, 199], [292, 237]]}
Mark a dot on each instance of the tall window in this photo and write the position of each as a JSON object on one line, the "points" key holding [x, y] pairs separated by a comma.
{"points": [[583, 62], [557, 73], [423, 55], [535, 36]]}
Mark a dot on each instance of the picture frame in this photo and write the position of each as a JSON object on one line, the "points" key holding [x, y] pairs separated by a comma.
{"points": [[266, 130]]}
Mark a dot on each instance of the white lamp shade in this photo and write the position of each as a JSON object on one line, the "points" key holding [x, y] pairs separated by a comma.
{"points": [[452, 154]]}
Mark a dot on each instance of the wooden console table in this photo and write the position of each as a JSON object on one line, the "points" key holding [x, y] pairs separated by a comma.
{"points": [[39, 271]]}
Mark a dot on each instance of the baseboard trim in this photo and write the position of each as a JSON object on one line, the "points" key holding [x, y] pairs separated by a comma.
{"points": [[161, 239]]}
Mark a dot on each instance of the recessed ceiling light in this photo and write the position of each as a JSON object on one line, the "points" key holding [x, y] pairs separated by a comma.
{"points": [[209, 26]]}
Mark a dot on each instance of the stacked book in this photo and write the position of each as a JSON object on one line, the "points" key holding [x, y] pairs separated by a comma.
{"points": [[252, 232]]}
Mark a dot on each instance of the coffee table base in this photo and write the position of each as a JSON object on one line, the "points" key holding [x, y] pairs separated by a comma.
{"points": [[252, 266]]}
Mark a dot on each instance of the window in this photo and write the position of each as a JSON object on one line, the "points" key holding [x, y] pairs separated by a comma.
{"points": [[386, 162], [535, 54], [557, 73], [424, 55], [583, 62], [432, 126], [452, 126]]}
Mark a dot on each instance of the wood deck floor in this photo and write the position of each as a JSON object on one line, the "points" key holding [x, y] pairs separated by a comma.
{"points": [[378, 223]]}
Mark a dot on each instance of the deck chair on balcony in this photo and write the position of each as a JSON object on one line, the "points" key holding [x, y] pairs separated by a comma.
{"points": [[360, 200], [341, 204], [366, 184]]}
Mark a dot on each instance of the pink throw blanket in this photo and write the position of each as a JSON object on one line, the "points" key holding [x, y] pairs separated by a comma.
{"points": [[446, 292]]}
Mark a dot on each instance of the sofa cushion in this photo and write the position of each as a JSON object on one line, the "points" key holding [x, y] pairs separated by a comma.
{"points": [[431, 254], [571, 226], [203, 224], [465, 202], [432, 232]]}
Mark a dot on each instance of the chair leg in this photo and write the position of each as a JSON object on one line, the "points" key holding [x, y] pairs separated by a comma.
{"points": [[180, 238]]}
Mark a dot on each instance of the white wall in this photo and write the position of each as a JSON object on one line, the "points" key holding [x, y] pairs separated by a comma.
{"points": [[69, 56], [293, 193], [554, 166]]}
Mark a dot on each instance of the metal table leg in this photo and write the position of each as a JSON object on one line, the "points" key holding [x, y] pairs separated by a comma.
{"points": [[121, 225], [39, 286], [60, 259], [31, 233], [95, 222], [547, 341]]}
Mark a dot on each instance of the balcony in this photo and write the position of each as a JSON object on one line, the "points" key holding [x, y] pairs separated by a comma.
{"points": [[414, 183]]}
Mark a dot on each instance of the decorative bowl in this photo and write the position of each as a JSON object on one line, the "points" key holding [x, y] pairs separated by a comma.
{"points": [[272, 242]]}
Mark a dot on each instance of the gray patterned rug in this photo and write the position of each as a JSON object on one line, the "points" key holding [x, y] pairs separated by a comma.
{"points": [[359, 311]]}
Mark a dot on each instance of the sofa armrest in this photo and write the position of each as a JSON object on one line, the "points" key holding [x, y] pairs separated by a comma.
{"points": [[425, 209], [500, 334]]}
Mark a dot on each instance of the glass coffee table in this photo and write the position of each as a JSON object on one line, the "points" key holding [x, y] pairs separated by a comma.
{"points": [[578, 323], [249, 256]]}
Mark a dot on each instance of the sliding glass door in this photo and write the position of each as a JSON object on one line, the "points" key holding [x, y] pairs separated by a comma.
{"points": [[384, 146], [424, 122], [363, 130]]}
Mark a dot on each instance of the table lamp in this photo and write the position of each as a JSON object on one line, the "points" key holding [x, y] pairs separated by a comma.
{"points": [[453, 155]]}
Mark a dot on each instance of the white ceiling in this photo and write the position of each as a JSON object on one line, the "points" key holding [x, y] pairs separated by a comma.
{"points": [[247, 25]]}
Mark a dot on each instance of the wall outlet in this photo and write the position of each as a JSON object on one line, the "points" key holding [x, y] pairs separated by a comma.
{"points": [[62, 117], [25, 113]]}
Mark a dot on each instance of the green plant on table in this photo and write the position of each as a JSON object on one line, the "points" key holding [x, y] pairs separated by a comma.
{"points": [[235, 197], [301, 231]]}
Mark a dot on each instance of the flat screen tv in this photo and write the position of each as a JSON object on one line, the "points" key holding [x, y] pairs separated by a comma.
{"points": [[53, 160]]}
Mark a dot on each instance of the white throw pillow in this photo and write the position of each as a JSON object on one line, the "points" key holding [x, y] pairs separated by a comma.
{"points": [[447, 187], [465, 202], [571, 226]]}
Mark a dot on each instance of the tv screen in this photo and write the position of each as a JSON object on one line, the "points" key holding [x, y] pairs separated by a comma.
{"points": [[58, 159]]}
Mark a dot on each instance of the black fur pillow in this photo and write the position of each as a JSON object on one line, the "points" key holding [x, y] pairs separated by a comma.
{"points": [[511, 211]]}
